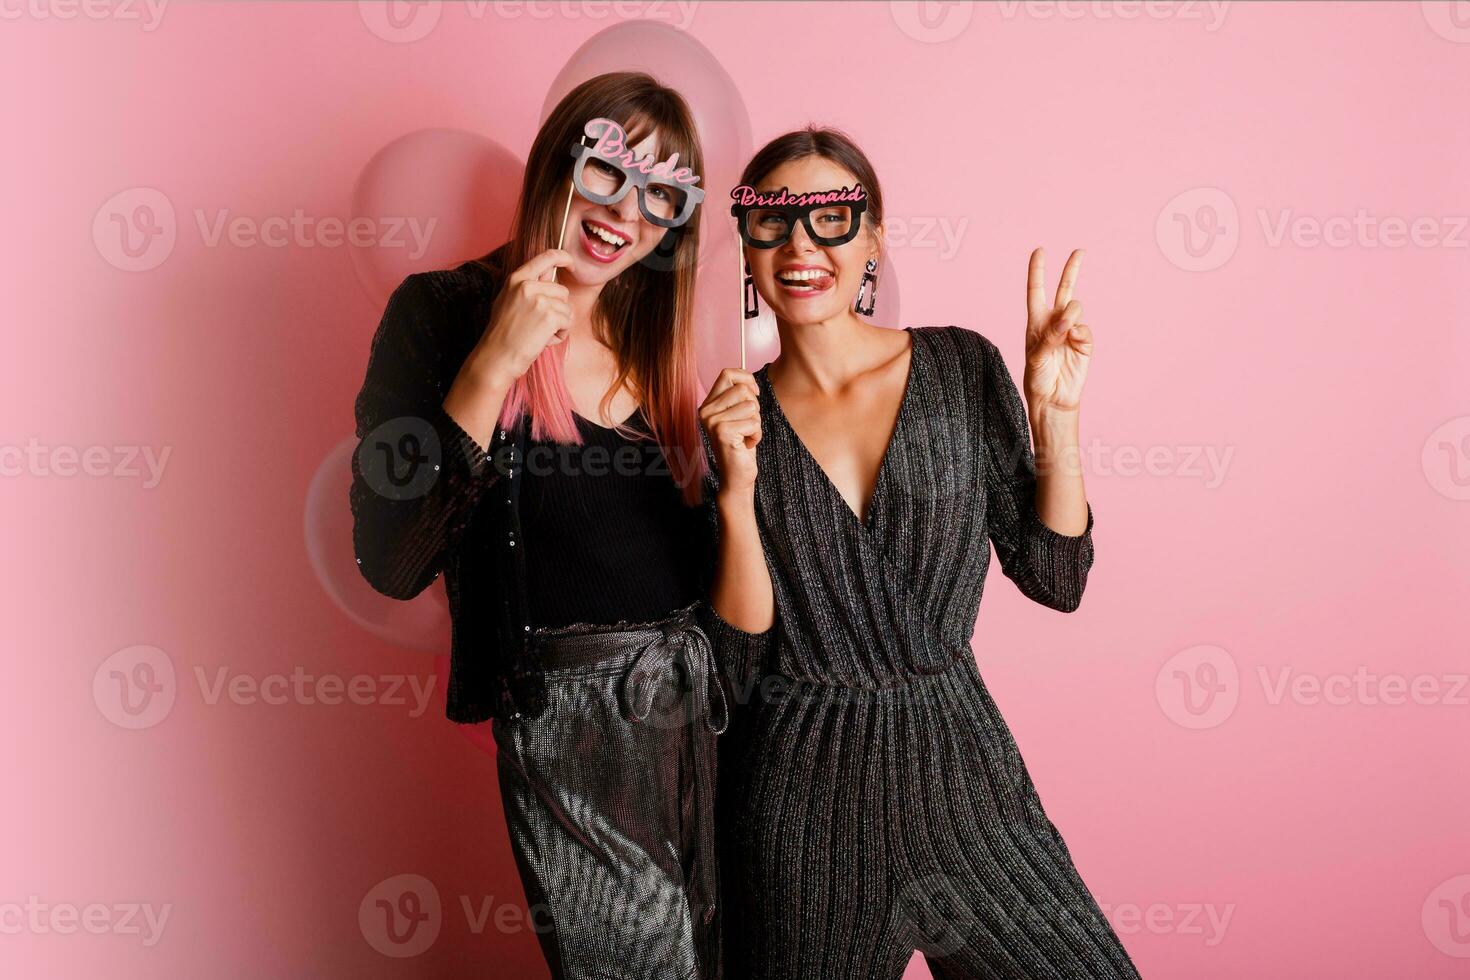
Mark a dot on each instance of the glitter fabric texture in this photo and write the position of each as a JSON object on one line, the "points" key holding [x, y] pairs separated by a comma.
{"points": [[873, 800], [609, 801]]}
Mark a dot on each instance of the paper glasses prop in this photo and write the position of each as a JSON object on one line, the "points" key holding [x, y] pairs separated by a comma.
{"points": [[767, 220], [604, 170]]}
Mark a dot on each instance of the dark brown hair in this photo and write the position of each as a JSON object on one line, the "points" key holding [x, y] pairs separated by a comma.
{"points": [[645, 315]]}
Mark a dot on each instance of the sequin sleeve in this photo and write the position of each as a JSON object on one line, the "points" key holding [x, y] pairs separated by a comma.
{"points": [[416, 475], [1048, 567]]}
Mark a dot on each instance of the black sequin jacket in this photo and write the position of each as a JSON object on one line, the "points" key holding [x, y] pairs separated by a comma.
{"points": [[460, 518]]}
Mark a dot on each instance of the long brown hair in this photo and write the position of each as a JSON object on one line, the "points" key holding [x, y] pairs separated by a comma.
{"points": [[645, 315]]}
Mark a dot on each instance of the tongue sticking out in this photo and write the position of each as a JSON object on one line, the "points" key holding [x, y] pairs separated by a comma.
{"points": [[812, 285]]}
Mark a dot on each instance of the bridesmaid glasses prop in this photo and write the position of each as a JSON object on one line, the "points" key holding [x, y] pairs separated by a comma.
{"points": [[604, 170], [767, 220]]}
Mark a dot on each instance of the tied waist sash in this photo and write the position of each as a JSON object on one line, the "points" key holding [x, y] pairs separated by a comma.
{"points": [[661, 652]]}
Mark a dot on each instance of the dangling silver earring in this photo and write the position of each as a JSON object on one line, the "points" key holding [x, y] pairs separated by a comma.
{"points": [[870, 287], [752, 304]]}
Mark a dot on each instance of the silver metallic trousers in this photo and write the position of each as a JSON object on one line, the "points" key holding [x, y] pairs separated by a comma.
{"points": [[609, 799]]}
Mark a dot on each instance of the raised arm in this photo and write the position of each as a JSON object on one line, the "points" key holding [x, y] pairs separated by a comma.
{"points": [[740, 615], [427, 411], [1039, 516], [424, 473]]}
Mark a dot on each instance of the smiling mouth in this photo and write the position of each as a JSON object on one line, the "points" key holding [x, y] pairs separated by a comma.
{"points": [[602, 243], [805, 282]]}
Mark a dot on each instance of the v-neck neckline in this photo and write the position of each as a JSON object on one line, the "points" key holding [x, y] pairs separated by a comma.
{"points": [[863, 523], [608, 428]]}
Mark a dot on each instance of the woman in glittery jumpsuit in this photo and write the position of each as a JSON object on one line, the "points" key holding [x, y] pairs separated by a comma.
{"points": [[874, 800]]}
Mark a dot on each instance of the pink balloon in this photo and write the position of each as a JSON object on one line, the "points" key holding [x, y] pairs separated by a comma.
{"points": [[683, 64], [718, 309], [421, 623], [431, 199]]}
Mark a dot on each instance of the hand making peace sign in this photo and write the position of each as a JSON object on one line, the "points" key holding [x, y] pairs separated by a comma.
{"points": [[1058, 346]]}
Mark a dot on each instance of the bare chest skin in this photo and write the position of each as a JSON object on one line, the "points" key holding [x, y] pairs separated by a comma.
{"points": [[847, 431], [588, 369]]}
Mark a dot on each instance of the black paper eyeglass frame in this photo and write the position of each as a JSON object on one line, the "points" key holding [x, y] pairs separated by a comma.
{"points": [[802, 213]]}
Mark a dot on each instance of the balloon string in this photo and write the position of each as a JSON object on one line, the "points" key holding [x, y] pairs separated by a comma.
{"points": [[562, 235]]}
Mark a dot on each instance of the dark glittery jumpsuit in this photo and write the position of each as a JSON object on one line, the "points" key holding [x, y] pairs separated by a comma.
{"points": [[873, 800]]}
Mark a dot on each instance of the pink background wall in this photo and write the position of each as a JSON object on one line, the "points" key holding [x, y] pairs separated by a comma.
{"points": [[1253, 734]]}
